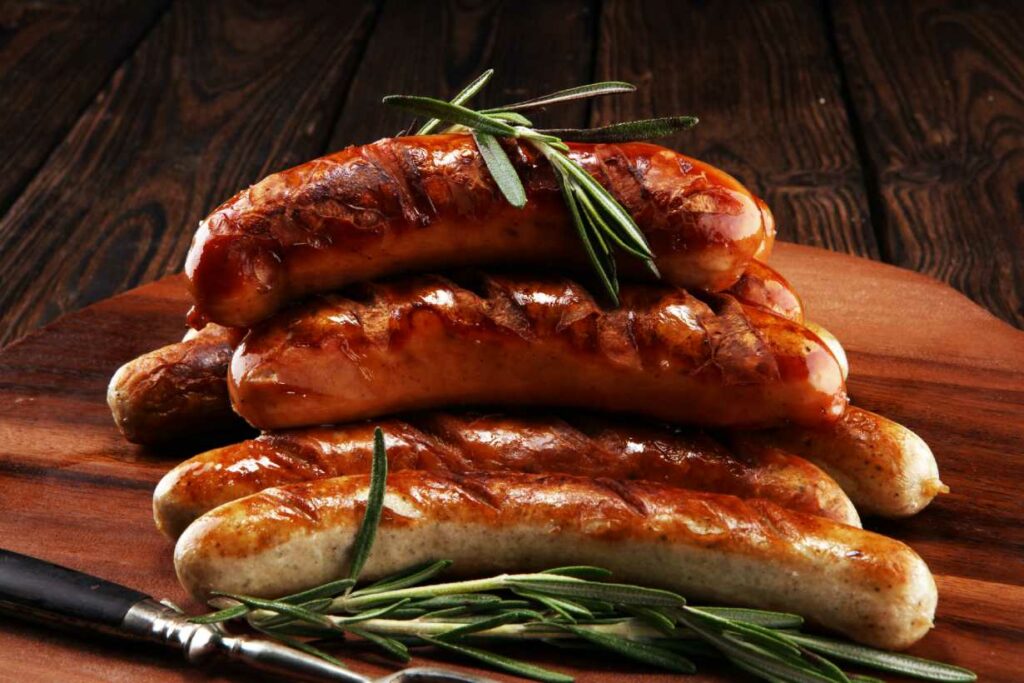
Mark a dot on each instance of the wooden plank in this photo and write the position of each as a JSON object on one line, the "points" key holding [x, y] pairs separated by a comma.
{"points": [[215, 97], [54, 58], [763, 80], [73, 491], [424, 49], [938, 89]]}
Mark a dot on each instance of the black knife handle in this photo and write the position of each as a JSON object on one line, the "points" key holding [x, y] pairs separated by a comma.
{"points": [[38, 589]]}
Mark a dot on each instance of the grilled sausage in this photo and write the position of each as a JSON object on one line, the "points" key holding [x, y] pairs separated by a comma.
{"points": [[885, 468], [462, 443], [760, 285], [874, 589], [412, 204], [833, 345], [427, 342], [175, 391], [201, 362]]}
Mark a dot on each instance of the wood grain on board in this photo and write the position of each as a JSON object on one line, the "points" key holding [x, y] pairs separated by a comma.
{"points": [[197, 113], [54, 58], [72, 491], [937, 89]]}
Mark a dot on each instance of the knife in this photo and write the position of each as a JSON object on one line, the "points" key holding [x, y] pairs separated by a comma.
{"points": [[41, 591]]}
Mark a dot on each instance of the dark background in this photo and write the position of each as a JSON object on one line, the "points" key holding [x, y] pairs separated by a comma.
{"points": [[889, 129]]}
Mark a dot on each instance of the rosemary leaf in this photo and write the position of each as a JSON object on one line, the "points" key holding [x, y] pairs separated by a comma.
{"points": [[510, 617], [294, 611], [317, 606], [755, 616], [893, 662], [386, 610], [410, 577], [598, 221], [566, 608], [639, 651], [654, 617], [394, 648], [374, 506], [501, 169], [582, 571], [453, 113], [511, 117], [500, 662], [328, 590], [628, 131], [302, 647], [568, 95], [464, 95], [612, 592], [607, 278], [604, 199]]}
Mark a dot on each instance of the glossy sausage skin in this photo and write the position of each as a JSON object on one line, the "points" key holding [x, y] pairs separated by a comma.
{"points": [[461, 443], [177, 390], [427, 342], [414, 204], [761, 285], [885, 468], [210, 408], [706, 546]]}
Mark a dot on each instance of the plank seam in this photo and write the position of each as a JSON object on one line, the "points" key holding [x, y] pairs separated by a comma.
{"points": [[869, 170], [359, 54]]}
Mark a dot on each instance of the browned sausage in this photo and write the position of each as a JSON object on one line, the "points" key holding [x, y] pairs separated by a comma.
{"points": [[461, 443], [885, 468], [208, 396], [706, 546], [427, 342], [762, 286], [175, 391], [414, 204]]}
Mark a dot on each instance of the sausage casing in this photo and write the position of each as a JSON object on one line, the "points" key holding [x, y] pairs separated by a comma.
{"points": [[414, 204], [427, 342], [462, 443], [177, 390], [709, 546], [156, 410], [885, 468]]}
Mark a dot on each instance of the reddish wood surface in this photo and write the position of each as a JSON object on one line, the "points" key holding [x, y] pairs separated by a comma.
{"points": [[71, 491]]}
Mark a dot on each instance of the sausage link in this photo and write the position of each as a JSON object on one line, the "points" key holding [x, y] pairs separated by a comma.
{"points": [[833, 344], [414, 204], [873, 589], [427, 342], [885, 468], [177, 390], [762, 286], [462, 443]]}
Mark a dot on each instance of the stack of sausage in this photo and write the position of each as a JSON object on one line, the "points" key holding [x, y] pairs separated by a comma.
{"points": [[696, 437]]}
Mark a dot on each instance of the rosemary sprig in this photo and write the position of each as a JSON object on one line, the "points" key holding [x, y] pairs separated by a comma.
{"points": [[567, 607], [601, 222]]}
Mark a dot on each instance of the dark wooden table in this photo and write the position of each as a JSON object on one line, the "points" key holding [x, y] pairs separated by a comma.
{"points": [[889, 129]]}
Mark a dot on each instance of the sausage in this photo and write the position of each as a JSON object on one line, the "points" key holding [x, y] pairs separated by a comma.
{"points": [[209, 408], [886, 469], [760, 285], [833, 345], [420, 203], [427, 342], [177, 390], [706, 546], [461, 443]]}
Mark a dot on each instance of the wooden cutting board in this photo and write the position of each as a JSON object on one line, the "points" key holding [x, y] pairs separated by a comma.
{"points": [[73, 492]]}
